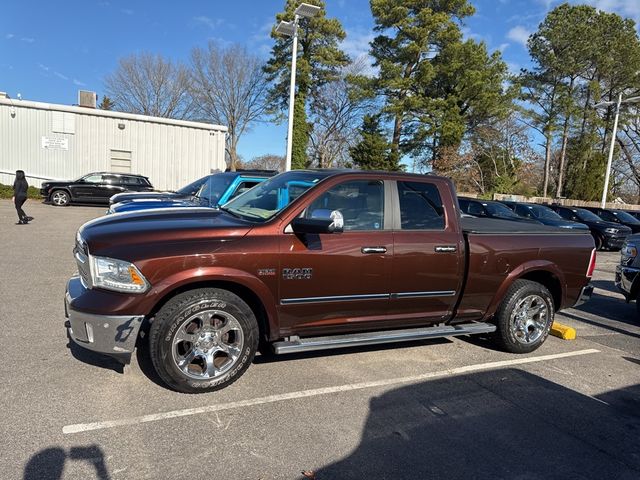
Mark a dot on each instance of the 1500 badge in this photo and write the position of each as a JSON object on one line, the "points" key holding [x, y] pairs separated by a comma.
{"points": [[297, 273]]}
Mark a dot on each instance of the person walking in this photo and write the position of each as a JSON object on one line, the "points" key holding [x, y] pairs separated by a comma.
{"points": [[20, 187]]}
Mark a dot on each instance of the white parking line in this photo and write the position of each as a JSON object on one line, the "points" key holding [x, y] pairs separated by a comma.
{"points": [[86, 427]]}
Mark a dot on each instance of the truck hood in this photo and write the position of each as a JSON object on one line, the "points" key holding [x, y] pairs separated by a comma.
{"points": [[553, 222], [604, 224], [172, 231], [128, 196], [146, 203]]}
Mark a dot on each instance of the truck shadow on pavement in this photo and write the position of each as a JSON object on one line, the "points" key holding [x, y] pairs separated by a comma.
{"points": [[499, 424], [49, 464], [610, 314], [94, 359], [607, 285]]}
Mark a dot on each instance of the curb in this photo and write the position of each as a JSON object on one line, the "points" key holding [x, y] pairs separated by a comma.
{"points": [[563, 331]]}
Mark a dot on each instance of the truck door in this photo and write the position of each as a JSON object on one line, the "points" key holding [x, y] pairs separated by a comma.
{"points": [[428, 267], [339, 281]]}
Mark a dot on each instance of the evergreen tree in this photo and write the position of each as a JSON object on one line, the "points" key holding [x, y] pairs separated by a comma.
{"points": [[319, 61], [436, 87], [373, 152]]}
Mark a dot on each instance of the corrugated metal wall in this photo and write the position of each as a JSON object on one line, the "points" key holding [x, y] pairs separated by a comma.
{"points": [[171, 155]]}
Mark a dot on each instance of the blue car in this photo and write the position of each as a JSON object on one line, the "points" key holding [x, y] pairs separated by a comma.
{"points": [[215, 190], [544, 215]]}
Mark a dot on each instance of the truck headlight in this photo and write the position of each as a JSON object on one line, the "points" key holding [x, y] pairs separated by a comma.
{"points": [[611, 230], [629, 250], [117, 275]]}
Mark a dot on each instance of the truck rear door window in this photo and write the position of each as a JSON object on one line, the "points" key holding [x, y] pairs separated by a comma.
{"points": [[420, 206]]}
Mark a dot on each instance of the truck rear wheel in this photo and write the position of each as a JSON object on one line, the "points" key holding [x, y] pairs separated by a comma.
{"points": [[524, 317], [203, 340]]}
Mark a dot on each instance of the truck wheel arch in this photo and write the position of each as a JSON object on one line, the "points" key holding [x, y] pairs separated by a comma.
{"points": [[543, 272], [259, 299]]}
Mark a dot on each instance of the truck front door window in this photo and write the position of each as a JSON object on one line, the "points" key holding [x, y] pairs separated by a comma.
{"points": [[361, 204]]}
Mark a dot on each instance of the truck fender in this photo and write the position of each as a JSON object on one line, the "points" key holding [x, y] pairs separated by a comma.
{"points": [[522, 271], [198, 276]]}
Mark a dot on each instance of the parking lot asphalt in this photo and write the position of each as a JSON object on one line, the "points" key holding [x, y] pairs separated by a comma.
{"points": [[450, 408]]}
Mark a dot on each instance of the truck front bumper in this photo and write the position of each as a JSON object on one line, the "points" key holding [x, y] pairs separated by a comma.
{"points": [[113, 335], [625, 279]]}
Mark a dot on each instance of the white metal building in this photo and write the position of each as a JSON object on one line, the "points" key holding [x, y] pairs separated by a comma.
{"points": [[58, 142]]}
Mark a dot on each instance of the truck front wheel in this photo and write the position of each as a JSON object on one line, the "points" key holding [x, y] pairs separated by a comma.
{"points": [[524, 317], [203, 340]]}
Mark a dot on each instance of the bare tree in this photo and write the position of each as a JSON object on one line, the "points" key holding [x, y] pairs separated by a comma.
{"points": [[266, 162], [336, 116], [150, 85], [230, 87]]}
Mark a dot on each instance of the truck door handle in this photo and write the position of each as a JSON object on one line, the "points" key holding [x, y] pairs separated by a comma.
{"points": [[373, 250], [445, 248]]}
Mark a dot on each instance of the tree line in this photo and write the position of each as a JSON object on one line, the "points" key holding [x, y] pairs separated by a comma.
{"points": [[424, 98]]}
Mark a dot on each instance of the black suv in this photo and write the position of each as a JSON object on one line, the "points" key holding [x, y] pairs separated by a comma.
{"points": [[543, 214], [617, 216], [491, 209], [94, 188], [606, 234]]}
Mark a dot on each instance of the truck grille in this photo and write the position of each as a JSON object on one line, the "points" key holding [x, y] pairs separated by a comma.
{"points": [[81, 253]]}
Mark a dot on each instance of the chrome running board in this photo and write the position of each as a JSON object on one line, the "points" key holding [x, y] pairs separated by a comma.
{"points": [[297, 344]]}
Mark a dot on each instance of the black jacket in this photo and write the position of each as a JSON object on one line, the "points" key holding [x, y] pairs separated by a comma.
{"points": [[20, 188]]}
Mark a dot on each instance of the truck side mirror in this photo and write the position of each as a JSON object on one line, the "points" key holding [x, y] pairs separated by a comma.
{"points": [[321, 221]]}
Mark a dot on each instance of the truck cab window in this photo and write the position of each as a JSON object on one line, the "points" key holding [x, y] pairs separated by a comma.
{"points": [[420, 206]]}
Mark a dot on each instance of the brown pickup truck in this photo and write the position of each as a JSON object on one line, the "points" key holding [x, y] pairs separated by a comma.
{"points": [[312, 260]]}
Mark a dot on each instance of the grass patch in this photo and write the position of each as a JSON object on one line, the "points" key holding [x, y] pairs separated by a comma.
{"points": [[6, 191]]}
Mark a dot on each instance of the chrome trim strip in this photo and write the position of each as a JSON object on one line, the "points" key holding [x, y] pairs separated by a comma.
{"points": [[368, 296], [444, 293], [335, 298]]}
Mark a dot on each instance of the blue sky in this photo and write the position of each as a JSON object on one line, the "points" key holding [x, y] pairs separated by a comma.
{"points": [[49, 50]]}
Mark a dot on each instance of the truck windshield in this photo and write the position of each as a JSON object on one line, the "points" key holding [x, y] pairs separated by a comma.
{"points": [[499, 210], [625, 217], [587, 216], [544, 212], [269, 198], [212, 189], [193, 187]]}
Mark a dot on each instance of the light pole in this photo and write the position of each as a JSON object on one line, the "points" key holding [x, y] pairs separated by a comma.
{"points": [[613, 139], [290, 29]]}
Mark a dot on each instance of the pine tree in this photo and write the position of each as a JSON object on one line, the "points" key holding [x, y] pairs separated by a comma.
{"points": [[435, 86], [373, 150]]}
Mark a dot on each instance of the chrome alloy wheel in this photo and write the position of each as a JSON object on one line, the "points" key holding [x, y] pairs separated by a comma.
{"points": [[529, 319], [207, 345], [59, 198]]}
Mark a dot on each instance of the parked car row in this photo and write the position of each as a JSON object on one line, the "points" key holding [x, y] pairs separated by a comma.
{"points": [[609, 227]]}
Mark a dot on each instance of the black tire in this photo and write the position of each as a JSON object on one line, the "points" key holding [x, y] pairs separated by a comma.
{"points": [[508, 336], [185, 328], [599, 241], [60, 198], [638, 305]]}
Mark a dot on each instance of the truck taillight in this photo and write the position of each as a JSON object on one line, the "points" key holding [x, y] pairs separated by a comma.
{"points": [[592, 264]]}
